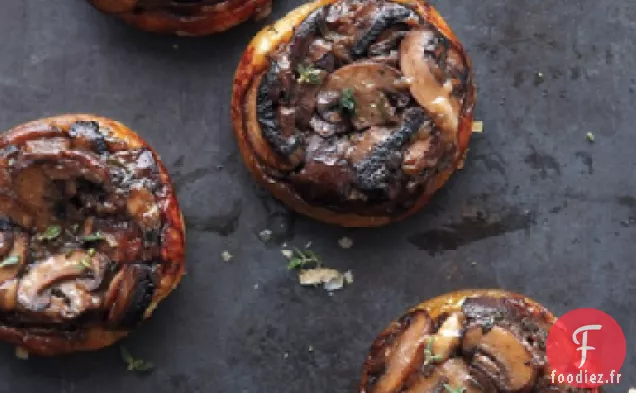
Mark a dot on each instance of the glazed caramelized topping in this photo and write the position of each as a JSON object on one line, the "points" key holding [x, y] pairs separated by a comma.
{"points": [[361, 108], [80, 227], [490, 345]]}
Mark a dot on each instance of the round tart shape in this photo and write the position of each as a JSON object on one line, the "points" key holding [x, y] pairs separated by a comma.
{"points": [[354, 112], [469, 341], [91, 235], [185, 17]]}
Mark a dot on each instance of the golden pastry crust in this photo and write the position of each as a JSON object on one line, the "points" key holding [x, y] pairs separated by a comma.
{"points": [[50, 332], [424, 338], [186, 18], [260, 157]]}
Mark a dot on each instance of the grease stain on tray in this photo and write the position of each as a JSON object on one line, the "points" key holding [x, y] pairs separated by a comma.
{"points": [[544, 163], [472, 228]]}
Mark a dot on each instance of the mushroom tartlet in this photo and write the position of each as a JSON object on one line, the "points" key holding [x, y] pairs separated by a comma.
{"points": [[185, 17], [91, 235], [481, 341], [354, 112]]}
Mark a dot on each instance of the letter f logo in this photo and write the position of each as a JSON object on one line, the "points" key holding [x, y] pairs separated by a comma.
{"points": [[583, 345]]}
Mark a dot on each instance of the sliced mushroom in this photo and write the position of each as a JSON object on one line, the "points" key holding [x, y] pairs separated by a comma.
{"points": [[19, 214], [75, 302], [370, 83], [19, 252], [486, 310], [427, 383], [143, 208], [375, 172], [326, 129], [406, 354], [448, 337], [457, 373], [74, 163], [35, 191], [421, 155], [86, 136], [47, 146], [388, 15], [434, 96], [500, 355], [6, 237], [362, 144], [325, 182], [33, 294], [8, 295], [129, 295]]}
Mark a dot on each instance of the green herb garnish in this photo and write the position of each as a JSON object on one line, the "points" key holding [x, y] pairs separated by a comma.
{"points": [[590, 137], [450, 389], [85, 263], [430, 357], [93, 237], [309, 75], [10, 261], [133, 364], [348, 101], [300, 259], [51, 233]]}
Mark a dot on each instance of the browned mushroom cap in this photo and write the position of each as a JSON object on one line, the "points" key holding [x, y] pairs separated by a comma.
{"points": [[405, 355], [16, 244], [502, 356], [369, 82], [34, 292], [129, 295], [435, 96]]}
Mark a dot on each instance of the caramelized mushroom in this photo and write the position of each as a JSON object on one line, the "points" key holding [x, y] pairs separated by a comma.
{"points": [[343, 71], [33, 294], [90, 233], [502, 356], [17, 256], [370, 83], [129, 295], [405, 354], [435, 96], [476, 342]]}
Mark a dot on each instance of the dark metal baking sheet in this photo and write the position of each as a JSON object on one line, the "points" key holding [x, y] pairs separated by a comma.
{"points": [[558, 207]]}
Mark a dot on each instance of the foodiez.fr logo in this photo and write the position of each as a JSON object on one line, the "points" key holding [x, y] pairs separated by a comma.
{"points": [[586, 348]]}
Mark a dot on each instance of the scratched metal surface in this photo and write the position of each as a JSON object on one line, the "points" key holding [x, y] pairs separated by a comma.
{"points": [[557, 207]]}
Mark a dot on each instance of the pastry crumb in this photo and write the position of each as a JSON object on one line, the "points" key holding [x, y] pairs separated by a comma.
{"points": [[348, 277], [345, 242], [265, 235], [227, 257], [331, 279], [21, 353]]}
